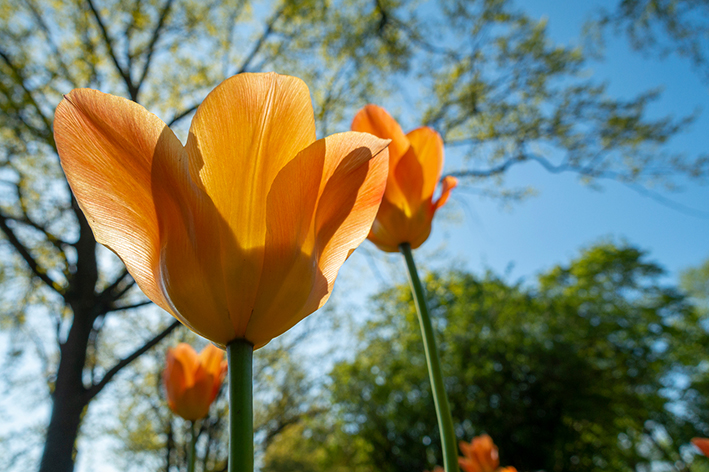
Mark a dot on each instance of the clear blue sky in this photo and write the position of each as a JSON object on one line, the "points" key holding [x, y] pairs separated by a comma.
{"points": [[550, 228]]}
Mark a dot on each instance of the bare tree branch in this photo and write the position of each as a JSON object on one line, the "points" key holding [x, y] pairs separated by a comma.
{"points": [[153, 41], [245, 64], [20, 80], [97, 387], [34, 266], [129, 307], [125, 74]]}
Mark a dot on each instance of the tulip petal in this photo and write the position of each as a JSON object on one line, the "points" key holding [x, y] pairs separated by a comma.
{"points": [[184, 355], [347, 172], [190, 258], [428, 147], [210, 359], [410, 179], [107, 145], [242, 135], [376, 120], [196, 400], [449, 183], [174, 378]]}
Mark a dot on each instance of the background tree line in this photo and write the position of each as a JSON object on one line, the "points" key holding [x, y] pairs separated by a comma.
{"points": [[490, 80]]}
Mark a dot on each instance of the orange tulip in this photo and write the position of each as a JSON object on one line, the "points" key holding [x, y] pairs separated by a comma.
{"points": [[192, 381], [702, 444], [480, 455], [240, 233], [415, 165]]}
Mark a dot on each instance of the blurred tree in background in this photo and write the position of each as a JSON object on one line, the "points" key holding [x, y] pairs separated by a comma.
{"points": [[589, 370], [659, 27], [483, 73]]}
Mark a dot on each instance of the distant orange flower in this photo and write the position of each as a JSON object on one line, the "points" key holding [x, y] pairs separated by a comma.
{"points": [[702, 444], [415, 165], [480, 455], [192, 381], [241, 232]]}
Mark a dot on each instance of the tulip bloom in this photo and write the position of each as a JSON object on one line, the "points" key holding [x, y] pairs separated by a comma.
{"points": [[192, 381], [480, 455], [241, 232], [702, 444], [415, 165]]}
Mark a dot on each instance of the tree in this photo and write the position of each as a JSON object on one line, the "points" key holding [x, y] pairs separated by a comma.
{"points": [[581, 372], [496, 96], [659, 26]]}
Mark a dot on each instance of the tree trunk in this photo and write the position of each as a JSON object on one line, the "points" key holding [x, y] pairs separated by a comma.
{"points": [[70, 397], [69, 400]]}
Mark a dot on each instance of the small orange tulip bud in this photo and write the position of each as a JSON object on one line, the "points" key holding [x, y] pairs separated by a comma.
{"points": [[192, 381], [702, 444], [415, 165]]}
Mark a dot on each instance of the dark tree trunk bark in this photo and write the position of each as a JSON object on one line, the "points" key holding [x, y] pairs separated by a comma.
{"points": [[69, 400], [70, 396]]}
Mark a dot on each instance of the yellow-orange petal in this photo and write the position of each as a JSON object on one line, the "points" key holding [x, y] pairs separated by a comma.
{"points": [[173, 378], [242, 135], [184, 355], [376, 120], [702, 444], [428, 147], [190, 255], [448, 184], [211, 359], [409, 178], [348, 173], [107, 145], [195, 400]]}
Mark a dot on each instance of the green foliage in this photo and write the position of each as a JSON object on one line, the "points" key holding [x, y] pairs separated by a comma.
{"points": [[586, 371], [660, 27]]}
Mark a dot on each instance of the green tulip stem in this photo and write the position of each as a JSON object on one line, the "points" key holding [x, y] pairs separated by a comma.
{"points": [[241, 409], [193, 448], [443, 411]]}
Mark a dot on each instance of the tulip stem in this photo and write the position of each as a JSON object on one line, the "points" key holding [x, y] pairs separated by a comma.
{"points": [[241, 410], [193, 448], [440, 399]]}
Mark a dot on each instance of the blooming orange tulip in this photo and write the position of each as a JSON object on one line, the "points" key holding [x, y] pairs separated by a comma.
{"points": [[241, 232], [192, 381], [415, 165], [702, 444]]}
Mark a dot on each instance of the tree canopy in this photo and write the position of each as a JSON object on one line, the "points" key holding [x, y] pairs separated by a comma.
{"points": [[588, 369]]}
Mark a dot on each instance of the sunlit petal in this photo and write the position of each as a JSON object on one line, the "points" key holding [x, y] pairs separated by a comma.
{"points": [[347, 171], [448, 184], [243, 134], [107, 145], [428, 148]]}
